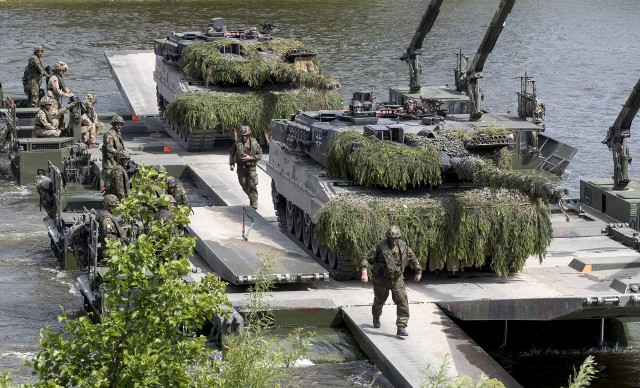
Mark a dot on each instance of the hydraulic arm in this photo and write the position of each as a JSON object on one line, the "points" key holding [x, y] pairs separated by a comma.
{"points": [[467, 80], [415, 47], [617, 137]]}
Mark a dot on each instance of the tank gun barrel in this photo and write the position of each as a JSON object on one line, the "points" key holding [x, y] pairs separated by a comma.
{"points": [[617, 137], [410, 56], [468, 80]]}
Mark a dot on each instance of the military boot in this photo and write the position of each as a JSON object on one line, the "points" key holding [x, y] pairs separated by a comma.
{"points": [[402, 331], [376, 322]]}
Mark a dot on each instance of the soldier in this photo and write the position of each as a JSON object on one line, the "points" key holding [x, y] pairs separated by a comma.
{"points": [[246, 152], [56, 84], [33, 73], [46, 122], [111, 144], [410, 107], [355, 106], [91, 126], [166, 211], [108, 227], [177, 191], [118, 179], [389, 258]]}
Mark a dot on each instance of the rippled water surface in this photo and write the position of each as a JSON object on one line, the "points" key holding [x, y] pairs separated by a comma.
{"points": [[583, 54]]}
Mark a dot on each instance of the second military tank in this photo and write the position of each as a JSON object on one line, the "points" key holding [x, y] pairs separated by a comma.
{"points": [[466, 192], [209, 83]]}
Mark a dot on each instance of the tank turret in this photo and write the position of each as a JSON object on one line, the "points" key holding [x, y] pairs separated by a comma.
{"points": [[211, 82]]}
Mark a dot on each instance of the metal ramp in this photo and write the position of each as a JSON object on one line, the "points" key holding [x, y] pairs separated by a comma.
{"points": [[133, 72], [219, 233]]}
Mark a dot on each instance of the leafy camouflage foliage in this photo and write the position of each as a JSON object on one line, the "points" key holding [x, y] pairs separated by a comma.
{"points": [[373, 162], [205, 61], [217, 111], [467, 226]]}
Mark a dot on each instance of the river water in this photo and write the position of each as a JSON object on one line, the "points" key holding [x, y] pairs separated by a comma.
{"points": [[583, 54]]}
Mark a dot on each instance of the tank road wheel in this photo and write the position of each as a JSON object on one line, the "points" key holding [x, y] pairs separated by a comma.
{"points": [[307, 226], [345, 266], [315, 247], [324, 250], [290, 209], [332, 259], [298, 222]]}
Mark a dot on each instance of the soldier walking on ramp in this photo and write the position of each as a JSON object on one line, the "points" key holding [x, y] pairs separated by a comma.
{"points": [[388, 259], [33, 73], [245, 153]]}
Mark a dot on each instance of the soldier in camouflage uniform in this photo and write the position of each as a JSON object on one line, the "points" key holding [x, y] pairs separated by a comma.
{"points": [[108, 226], [33, 73], [91, 126], [245, 153], [111, 144], [56, 84], [118, 179], [177, 191], [46, 122], [388, 259]]}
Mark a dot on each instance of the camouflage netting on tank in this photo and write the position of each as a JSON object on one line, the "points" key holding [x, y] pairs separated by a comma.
{"points": [[460, 134], [468, 226], [373, 162], [205, 111], [205, 61], [485, 174]]}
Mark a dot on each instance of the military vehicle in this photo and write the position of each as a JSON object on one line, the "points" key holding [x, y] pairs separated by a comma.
{"points": [[334, 172], [208, 83], [29, 155], [617, 198], [464, 103]]}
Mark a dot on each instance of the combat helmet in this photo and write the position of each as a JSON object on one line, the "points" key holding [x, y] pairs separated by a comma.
{"points": [[45, 101], [393, 232], [410, 101], [38, 48], [117, 119], [244, 131], [159, 168], [355, 106], [91, 98], [123, 154], [60, 66], [109, 200], [171, 181]]}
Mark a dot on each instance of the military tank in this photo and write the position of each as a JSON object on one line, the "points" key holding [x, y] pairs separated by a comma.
{"points": [[209, 83], [466, 191]]}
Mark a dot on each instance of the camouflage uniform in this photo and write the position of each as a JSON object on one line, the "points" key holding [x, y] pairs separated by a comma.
{"points": [[46, 123], [118, 182], [247, 175], [91, 126], [108, 226], [56, 84], [33, 74], [388, 268], [111, 144], [177, 191]]}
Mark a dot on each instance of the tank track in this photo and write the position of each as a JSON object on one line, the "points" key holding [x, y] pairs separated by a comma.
{"points": [[190, 141], [339, 265]]}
